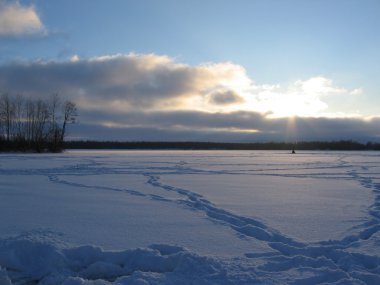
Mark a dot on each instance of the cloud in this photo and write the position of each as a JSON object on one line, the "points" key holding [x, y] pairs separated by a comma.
{"points": [[358, 91], [233, 126], [228, 127], [74, 58], [17, 20], [224, 97], [128, 81], [149, 81], [311, 97], [153, 97], [319, 85]]}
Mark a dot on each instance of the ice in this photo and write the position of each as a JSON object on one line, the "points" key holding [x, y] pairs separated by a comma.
{"points": [[190, 217]]}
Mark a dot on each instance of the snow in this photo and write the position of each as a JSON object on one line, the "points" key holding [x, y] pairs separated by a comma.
{"points": [[190, 217]]}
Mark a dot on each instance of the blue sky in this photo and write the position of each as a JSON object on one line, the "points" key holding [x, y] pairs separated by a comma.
{"points": [[310, 59]]}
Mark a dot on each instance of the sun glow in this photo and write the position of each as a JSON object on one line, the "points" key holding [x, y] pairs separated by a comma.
{"points": [[291, 130], [306, 98], [293, 104]]}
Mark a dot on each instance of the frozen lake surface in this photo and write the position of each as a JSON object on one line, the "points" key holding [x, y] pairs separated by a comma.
{"points": [[190, 217]]}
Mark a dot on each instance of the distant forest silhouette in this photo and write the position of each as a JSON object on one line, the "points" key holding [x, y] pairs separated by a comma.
{"points": [[144, 145]]}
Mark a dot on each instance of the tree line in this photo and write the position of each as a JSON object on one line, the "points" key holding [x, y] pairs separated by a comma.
{"points": [[34, 124], [192, 145]]}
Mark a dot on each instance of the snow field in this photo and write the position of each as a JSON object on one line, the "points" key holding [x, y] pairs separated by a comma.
{"points": [[183, 217]]}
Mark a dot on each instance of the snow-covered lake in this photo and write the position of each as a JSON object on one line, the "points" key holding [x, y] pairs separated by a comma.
{"points": [[190, 217]]}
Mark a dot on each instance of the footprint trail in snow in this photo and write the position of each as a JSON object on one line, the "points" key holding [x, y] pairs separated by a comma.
{"points": [[354, 258]]}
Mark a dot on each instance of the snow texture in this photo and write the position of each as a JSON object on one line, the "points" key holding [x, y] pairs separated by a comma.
{"points": [[190, 217]]}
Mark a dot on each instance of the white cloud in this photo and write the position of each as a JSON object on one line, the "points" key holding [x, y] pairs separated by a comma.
{"points": [[150, 82], [305, 98], [154, 97], [319, 85], [357, 91], [74, 58], [17, 20]]}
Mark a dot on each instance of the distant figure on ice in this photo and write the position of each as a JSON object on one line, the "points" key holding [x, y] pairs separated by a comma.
{"points": [[293, 151]]}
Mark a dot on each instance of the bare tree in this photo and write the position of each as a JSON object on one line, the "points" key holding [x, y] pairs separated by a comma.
{"points": [[34, 123], [29, 121], [69, 116], [19, 116], [7, 114], [41, 119], [54, 131]]}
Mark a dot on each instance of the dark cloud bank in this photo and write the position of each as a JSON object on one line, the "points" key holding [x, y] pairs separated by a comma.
{"points": [[119, 98], [138, 80], [231, 127]]}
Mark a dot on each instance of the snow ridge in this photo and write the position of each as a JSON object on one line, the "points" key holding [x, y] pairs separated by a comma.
{"points": [[31, 262]]}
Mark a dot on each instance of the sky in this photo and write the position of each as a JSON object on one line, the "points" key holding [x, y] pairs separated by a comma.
{"points": [[210, 70]]}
